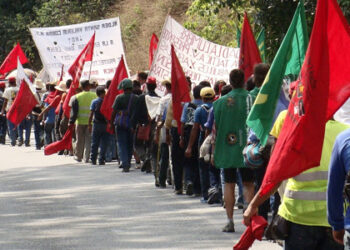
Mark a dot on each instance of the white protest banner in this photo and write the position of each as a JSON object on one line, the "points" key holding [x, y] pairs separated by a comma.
{"points": [[199, 58], [61, 45]]}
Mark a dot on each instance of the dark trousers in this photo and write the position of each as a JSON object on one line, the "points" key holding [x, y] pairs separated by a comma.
{"points": [[125, 146], [303, 237], [49, 133], [164, 163], [191, 164], [204, 177], [3, 129], [259, 176], [12, 132], [26, 126], [177, 158], [99, 139]]}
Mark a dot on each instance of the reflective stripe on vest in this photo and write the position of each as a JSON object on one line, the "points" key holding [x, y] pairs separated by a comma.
{"points": [[313, 176], [304, 199], [305, 195]]}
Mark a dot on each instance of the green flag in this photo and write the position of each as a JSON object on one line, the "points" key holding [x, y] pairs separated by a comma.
{"points": [[238, 37], [287, 62], [261, 43]]}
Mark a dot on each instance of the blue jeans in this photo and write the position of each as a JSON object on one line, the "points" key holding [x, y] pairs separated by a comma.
{"points": [[12, 132], [49, 133], [25, 125], [99, 139], [125, 146], [38, 132], [303, 237], [111, 150]]}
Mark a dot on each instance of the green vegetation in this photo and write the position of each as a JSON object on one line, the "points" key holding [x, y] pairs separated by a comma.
{"points": [[216, 20], [17, 16]]}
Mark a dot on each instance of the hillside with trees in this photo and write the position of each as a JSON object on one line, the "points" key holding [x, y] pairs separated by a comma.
{"points": [[217, 21]]}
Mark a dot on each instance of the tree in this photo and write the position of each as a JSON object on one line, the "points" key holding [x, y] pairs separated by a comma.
{"points": [[18, 16], [274, 16]]}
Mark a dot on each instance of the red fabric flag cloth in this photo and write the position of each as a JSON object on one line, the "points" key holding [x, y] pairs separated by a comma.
{"points": [[120, 73], [254, 231], [10, 61], [249, 53], [152, 48], [23, 104], [179, 86], [76, 70], [65, 143], [324, 86]]}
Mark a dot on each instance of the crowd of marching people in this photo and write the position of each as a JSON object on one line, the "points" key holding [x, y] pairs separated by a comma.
{"points": [[213, 151], [142, 127]]}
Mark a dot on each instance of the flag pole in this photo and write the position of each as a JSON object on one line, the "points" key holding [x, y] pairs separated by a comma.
{"points": [[90, 69]]}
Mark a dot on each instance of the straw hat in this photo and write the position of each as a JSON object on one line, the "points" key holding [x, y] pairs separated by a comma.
{"points": [[38, 84], [62, 86]]}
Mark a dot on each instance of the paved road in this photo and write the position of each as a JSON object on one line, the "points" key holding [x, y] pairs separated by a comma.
{"points": [[50, 202]]}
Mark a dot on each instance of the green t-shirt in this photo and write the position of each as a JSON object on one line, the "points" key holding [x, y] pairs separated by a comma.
{"points": [[254, 93], [230, 113]]}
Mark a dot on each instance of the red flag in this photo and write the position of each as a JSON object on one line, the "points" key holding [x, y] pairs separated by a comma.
{"points": [[323, 87], [23, 104], [249, 53], [119, 75], [152, 48], [254, 231], [10, 61], [76, 70], [65, 143], [179, 88]]}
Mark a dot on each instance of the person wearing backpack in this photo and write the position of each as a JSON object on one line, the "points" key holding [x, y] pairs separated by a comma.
{"points": [[191, 164], [200, 118], [123, 108]]}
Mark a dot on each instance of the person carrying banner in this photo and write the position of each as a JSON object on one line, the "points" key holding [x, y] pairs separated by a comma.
{"points": [[80, 115], [9, 96]]}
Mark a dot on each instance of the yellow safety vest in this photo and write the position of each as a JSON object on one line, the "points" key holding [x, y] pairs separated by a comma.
{"points": [[84, 100], [304, 199]]}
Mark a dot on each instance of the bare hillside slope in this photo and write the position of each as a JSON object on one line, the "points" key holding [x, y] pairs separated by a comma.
{"points": [[139, 19]]}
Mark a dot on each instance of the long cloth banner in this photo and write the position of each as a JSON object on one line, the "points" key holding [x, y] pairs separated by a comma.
{"points": [[199, 58], [61, 45]]}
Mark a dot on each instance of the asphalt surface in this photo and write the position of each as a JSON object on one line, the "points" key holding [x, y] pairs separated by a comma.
{"points": [[51, 202]]}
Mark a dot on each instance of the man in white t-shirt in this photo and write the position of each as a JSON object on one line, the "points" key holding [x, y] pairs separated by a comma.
{"points": [[9, 96]]}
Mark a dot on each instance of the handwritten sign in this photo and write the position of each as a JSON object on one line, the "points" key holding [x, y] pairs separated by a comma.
{"points": [[61, 45], [199, 58]]}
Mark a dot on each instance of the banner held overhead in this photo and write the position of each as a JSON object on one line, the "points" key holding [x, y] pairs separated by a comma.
{"points": [[61, 45], [199, 58]]}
